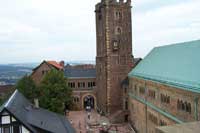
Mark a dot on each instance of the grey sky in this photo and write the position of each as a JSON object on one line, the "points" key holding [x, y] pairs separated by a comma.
{"points": [[34, 30]]}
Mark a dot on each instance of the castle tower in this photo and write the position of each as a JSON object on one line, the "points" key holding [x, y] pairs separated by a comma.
{"points": [[114, 52]]}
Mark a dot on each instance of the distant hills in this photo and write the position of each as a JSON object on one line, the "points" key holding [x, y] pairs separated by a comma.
{"points": [[11, 73]]}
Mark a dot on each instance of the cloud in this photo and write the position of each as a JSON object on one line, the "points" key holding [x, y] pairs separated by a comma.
{"points": [[34, 30], [165, 25]]}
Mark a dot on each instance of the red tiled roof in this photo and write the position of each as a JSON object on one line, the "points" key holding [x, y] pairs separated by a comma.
{"points": [[55, 64]]}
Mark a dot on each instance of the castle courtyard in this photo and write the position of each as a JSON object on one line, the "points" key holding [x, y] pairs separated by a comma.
{"points": [[95, 123]]}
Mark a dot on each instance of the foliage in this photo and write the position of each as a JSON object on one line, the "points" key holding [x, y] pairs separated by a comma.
{"points": [[55, 94], [5, 97], [27, 87]]}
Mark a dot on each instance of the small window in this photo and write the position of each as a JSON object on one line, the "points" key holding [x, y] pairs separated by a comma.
{"points": [[142, 90], [115, 45], [165, 98], [118, 15], [118, 30], [5, 119]]}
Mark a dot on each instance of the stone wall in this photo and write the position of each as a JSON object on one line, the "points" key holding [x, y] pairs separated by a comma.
{"points": [[114, 52], [153, 96], [39, 73]]}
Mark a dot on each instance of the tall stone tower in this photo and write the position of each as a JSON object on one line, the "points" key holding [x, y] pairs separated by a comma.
{"points": [[114, 52]]}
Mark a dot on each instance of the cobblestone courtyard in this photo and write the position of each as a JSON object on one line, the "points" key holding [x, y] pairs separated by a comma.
{"points": [[92, 122]]}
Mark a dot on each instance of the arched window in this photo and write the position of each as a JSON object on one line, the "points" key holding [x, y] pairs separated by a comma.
{"points": [[189, 107], [178, 104], [182, 105], [168, 99], [118, 30]]}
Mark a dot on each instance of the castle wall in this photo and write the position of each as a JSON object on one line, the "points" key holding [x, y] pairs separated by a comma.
{"points": [[157, 105]]}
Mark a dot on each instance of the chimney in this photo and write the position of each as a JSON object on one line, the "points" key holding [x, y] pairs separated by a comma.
{"points": [[36, 102], [62, 63]]}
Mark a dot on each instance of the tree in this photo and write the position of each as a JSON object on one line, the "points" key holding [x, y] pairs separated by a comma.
{"points": [[55, 94], [27, 87]]}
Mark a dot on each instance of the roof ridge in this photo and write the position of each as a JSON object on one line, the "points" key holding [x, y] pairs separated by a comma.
{"points": [[12, 96], [177, 43]]}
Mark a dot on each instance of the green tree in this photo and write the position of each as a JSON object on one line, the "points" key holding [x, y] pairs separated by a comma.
{"points": [[27, 87], [55, 94]]}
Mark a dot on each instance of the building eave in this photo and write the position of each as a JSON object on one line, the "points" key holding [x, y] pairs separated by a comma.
{"points": [[168, 83]]}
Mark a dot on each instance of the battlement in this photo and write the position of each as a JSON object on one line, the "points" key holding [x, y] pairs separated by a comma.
{"points": [[117, 1]]}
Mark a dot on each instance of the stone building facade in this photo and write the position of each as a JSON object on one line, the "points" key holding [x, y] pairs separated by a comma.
{"points": [[163, 91], [114, 58], [80, 78], [39, 72]]}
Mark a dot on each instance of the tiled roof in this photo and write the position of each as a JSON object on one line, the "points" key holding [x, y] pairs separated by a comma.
{"points": [[176, 65], [36, 118], [80, 73], [55, 64]]}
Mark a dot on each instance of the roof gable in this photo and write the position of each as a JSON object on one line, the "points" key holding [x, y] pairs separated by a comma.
{"points": [[55, 64], [35, 118], [176, 65]]}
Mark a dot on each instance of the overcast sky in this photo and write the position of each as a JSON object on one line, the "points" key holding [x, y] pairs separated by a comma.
{"points": [[34, 30]]}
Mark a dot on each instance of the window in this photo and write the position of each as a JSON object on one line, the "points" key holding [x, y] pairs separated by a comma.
{"points": [[152, 94], [91, 84], [184, 106], [81, 84], [71, 84], [115, 46], [118, 30], [44, 72], [76, 99], [162, 123], [142, 90], [5, 119], [118, 15], [165, 98], [135, 88], [153, 118]]}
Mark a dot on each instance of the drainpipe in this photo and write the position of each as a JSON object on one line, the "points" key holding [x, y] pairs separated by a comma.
{"points": [[196, 108]]}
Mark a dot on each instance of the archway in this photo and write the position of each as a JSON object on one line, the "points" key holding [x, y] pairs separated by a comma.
{"points": [[89, 100]]}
